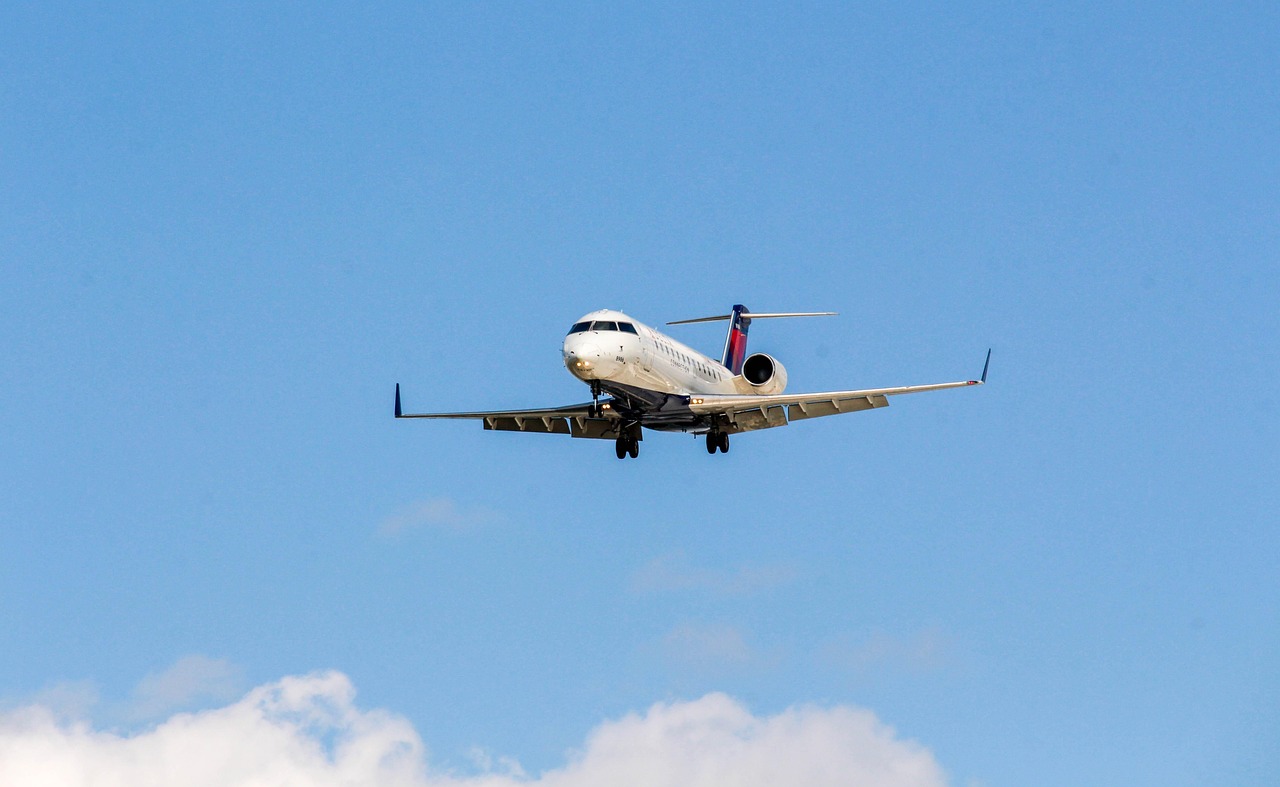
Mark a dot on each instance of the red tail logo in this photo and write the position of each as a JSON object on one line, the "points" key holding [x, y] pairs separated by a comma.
{"points": [[735, 344]]}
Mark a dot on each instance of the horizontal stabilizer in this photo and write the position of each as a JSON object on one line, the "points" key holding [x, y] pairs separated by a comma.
{"points": [[754, 316]]}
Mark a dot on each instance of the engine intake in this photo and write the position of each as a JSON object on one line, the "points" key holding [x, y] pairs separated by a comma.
{"points": [[765, 374]]}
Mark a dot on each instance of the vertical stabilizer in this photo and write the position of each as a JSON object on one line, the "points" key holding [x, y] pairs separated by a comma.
{"points": [[735, 344]]}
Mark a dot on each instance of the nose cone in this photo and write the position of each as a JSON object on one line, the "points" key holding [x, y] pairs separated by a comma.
{"points": [[582, 359], [586, 361]]}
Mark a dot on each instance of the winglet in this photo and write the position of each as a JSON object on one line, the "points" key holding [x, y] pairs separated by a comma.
{"points": [[397, 400], [983, 379]]}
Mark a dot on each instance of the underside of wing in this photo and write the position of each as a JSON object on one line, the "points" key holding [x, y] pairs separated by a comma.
{"points": [[746, 413], [577, 420]]}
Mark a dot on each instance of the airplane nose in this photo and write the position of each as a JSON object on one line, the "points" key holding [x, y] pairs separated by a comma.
{"points": [[582, 359], [587, 361]]}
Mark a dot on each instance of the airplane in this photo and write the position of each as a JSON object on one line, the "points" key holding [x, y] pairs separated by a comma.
{"points": [[655, 382]]}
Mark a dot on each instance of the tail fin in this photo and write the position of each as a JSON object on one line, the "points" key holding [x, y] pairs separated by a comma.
{"points": [[735, 343]]}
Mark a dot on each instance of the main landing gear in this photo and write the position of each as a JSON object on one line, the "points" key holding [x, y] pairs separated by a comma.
{"points": [[628, 443], [717, 441]]}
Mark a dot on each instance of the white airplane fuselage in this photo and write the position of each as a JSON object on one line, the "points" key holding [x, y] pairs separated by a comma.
{"points": [[628, 364]]}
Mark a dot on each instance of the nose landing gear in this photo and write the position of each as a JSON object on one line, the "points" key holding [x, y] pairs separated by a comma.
{"points": [[595, 399]]}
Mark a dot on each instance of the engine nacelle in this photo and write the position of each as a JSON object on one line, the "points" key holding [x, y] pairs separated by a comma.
{"points": [[765, 375]]}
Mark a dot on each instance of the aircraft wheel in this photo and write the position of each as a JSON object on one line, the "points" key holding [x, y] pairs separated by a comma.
{"points": [[633, 449], [724, 442], [712, 442], [620, 448]]}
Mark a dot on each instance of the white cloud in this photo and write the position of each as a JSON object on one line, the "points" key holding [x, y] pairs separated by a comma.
{"points": [[440, 512], [308, 731], [301, 730], [673, 573], [717, 741]]}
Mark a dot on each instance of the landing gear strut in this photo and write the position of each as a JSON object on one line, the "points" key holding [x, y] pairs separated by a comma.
{"points": [[717, 441], [595, 398]]}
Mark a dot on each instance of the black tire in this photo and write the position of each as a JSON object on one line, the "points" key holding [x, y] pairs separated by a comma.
{"points": [[712, 443], [724, 442], [633, 449], [620, 448]]}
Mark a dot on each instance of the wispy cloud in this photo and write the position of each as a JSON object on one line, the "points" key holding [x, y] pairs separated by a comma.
{"points": [[486, 762], [439, 512], [194, 681], [673, 572], [71, 700], [307, 730], [191, 681], [707, 644], [922, 651]]}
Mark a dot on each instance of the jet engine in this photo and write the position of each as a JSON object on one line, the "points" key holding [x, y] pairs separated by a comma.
{"points": [[766, 375]]}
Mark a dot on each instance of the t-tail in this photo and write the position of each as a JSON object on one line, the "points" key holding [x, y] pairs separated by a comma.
{"points": [[735, 344]]}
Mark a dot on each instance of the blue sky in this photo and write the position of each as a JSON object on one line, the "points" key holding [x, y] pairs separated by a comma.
{"points": [[227, 232]]}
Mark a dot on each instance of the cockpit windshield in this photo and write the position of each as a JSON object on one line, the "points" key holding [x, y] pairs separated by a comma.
{"points": [[603, 325]]}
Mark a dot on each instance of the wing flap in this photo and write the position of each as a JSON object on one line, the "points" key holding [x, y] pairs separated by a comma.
{"points": [[545, 424], [755, 418], [591, 428], [835, 406], [594, 428]]}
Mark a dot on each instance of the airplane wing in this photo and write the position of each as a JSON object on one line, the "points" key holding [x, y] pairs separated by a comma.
{"points": [[748, 413], [575, 419]]}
